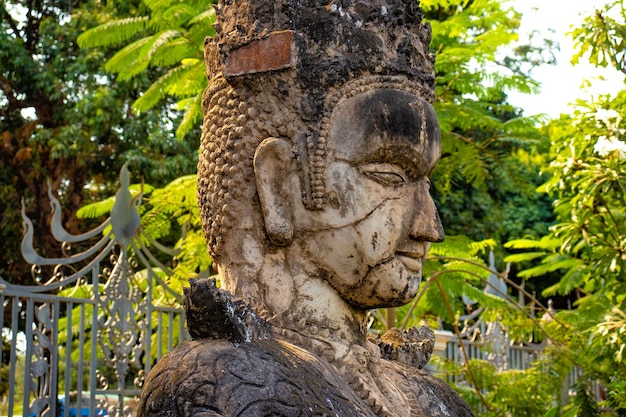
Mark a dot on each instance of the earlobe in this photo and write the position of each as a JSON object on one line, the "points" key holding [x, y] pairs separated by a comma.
{"points": [[273, 162]]}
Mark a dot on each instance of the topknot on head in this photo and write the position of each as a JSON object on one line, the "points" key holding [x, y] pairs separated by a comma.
{"points": [[330, 42]]}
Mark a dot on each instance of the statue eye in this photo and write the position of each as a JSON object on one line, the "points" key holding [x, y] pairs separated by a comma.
{"points": [[385, 174]]}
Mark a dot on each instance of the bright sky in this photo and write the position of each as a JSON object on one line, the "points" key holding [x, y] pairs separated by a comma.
{"points": [[561, 84]]}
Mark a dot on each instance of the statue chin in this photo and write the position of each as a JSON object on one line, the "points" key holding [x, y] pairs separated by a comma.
{"points": [[389, 284]]}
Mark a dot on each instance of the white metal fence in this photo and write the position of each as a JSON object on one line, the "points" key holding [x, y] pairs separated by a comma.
{"points": [[84, 340]]}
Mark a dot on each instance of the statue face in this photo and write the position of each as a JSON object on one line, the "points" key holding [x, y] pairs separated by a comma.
{"points": [[371, 240]]}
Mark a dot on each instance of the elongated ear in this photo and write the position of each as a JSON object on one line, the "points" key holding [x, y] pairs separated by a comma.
{"points": [[273, 164]]}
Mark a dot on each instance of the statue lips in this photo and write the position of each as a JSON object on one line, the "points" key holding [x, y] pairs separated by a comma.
{"points": [[413, 259], [413, 264]]}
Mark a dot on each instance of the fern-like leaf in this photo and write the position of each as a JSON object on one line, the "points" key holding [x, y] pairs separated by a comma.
{"points": [[193, 81], [201, 26], [156, 5], [174, 52], [550, 264], [126, 62], [157, 90], [546, 243], [460, 247], [102, 208], [523, 257], [136, 57], [160, 41], [113, 33], [179, 15], [173, 82], [192, 116]]}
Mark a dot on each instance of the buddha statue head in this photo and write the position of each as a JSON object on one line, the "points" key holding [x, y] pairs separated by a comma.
{"points": [[318, 142]]}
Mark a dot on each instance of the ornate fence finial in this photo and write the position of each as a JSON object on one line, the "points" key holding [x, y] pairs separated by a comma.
{"points": [[124, 216], [92, 315]]}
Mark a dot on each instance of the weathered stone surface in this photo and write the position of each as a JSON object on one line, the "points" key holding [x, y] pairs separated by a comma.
{"points": [[262, 378], [213, 314], [336, 40], [269, 378], [314, 195], [412, 347]]}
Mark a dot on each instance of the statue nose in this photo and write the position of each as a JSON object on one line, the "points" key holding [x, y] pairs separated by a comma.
{"points": [[426, 224]]}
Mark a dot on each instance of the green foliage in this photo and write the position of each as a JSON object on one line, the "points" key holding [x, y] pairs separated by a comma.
{"points": [[584, 401], [569, 411], [18, 387], [172, 36], [455, 269], [459, 271], [455, 266], [587, 244], [171, 215], [485, 186], [65, 121], [178, 202], [486, 178], [512, 392], [617, 395], [485, 183], [115, 32], [587, 182], [602, 37], [102, 208]]}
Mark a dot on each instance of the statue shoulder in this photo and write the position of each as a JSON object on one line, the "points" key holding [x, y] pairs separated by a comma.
{"points": [[211, 378], [425, 392], [236, 367]]}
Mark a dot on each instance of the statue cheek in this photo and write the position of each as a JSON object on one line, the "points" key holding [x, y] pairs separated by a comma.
{"points": [[351, 196], [338, 252], [381, 232]]}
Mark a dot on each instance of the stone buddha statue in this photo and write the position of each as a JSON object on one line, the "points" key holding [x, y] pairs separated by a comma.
{"points": [[318, 141]]}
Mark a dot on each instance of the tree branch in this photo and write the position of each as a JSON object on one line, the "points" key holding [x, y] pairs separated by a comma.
{"points": [[7, 18]]}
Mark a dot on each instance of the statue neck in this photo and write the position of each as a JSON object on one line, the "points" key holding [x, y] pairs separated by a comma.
{"points": [[287, 290]]}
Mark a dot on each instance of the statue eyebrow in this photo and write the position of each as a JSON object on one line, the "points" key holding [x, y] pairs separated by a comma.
{"points": [[407, 158]]}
